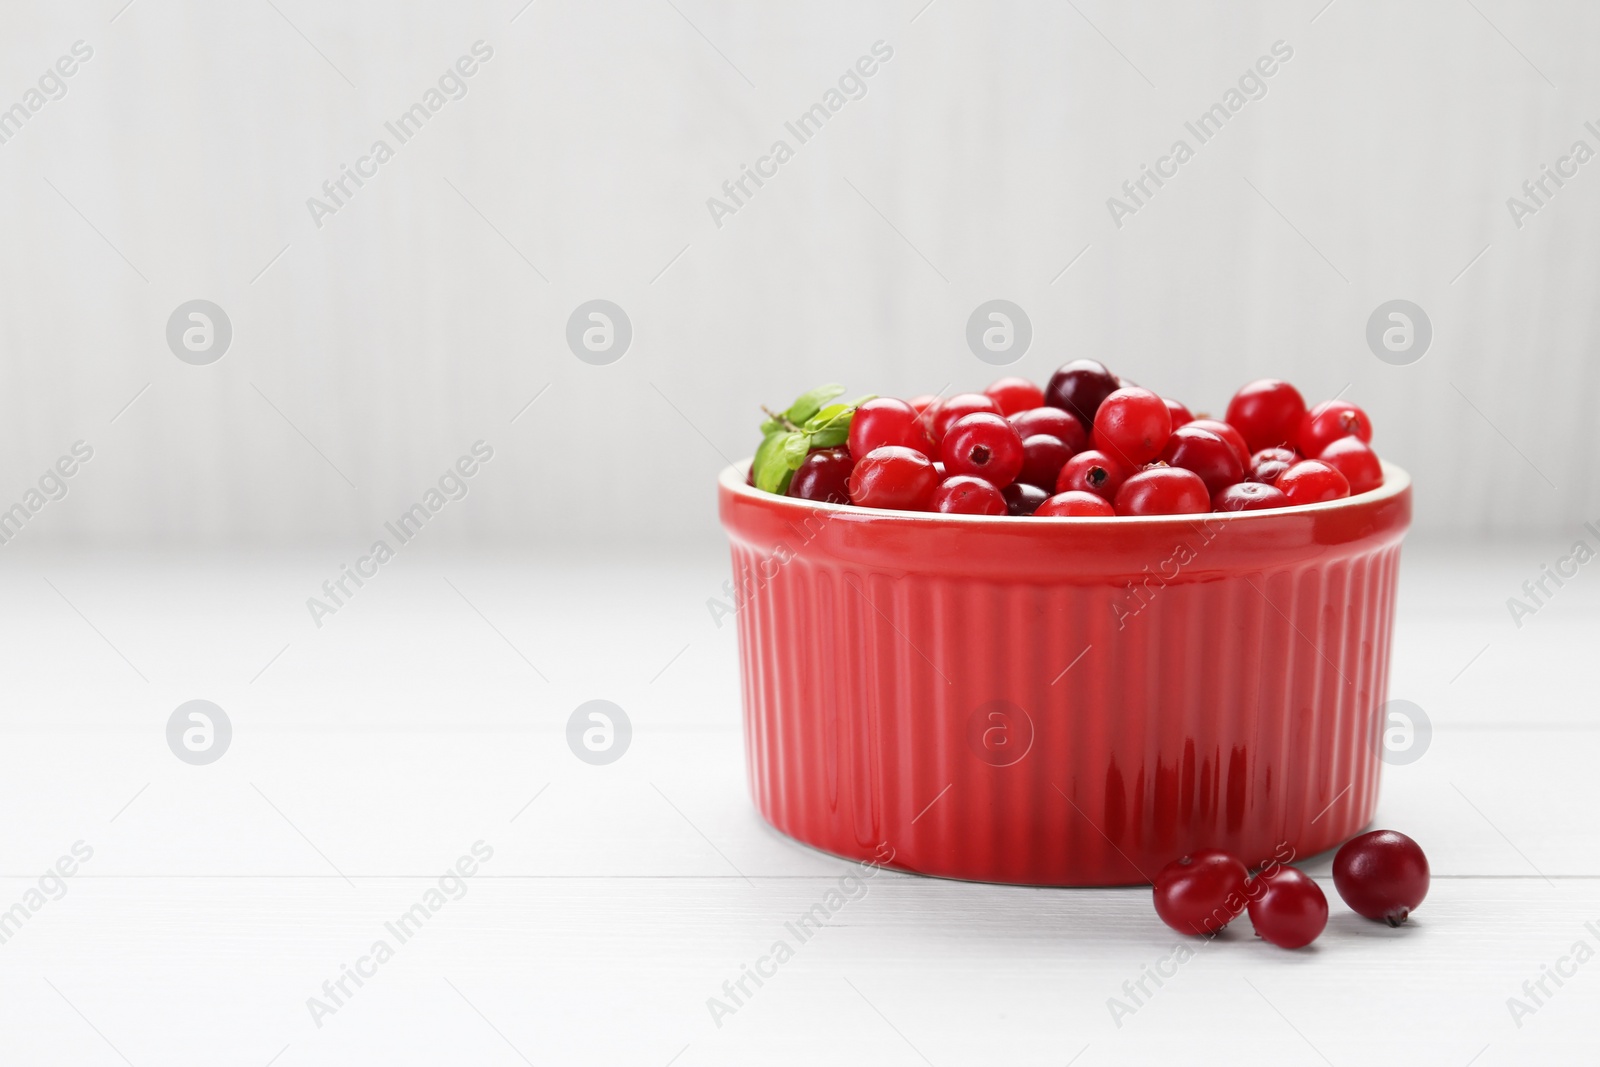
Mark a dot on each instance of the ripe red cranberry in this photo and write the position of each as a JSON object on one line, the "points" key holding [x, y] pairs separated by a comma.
{"points": [[1382, 875], [1356, 460], [1043, 456], [1079, 387], [925, 405], [1076, 504], [966, 495], [1053, 421], [985, 446], [1267, 464], [1267, 413], [950, 411], [887, 421], [1201, 892], [1228, 434], [1329, 421], [1012, 395], [1132, 424], [1163, 491], [1205, 453], [1248, 496], [893, 477], [1181, 415], [1092, 472], [1287, 908], [1023, 499], [1312, 481], [825, 475]]}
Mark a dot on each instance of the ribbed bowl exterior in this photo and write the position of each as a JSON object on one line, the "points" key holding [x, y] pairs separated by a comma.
{"points": [[1064, 702]]}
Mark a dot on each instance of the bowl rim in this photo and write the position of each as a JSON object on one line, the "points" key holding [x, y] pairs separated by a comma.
{"points": [[731, 479]]}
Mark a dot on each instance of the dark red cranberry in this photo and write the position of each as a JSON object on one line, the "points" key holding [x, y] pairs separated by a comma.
{"points": [[893, 477], [965, 495], [1023, 499], [1202, 892], [1132, 424], [1382, 875], [1329, 421], [1043, 456], [825, 475], [1205, 453], [985, 446], [1312, 481], [1079, 387], [1012, 395], [887, 421], [1076, 505], [1267, 413], [1248, 496], [1356, 460], [1053, 421], [1092, 472], [1287, 908], [1228, 434], [1163, 491]]}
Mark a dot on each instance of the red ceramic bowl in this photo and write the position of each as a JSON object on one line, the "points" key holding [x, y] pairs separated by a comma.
{"points": [[1064, 701]]}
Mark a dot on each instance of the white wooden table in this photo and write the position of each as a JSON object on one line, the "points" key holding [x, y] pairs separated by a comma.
{"points": [[371, 754]]}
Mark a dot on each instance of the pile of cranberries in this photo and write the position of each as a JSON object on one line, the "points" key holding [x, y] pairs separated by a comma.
{"points": [[1382, 875], [1089, 444]]}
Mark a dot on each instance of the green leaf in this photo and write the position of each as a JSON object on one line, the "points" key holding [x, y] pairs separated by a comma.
{"points": [[769, 426], [808, 404], [768, 466], [796, 446], [831, 436]]}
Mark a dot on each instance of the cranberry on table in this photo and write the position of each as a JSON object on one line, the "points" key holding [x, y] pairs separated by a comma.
{"points": [[1312, 481], [1012, 395], [1382, 875], [1180, 414], [985, 446], [1228, 434], [1043, 456], [966, 495], [1023, 499], [1287, 908], [1132, 424], [1092, 472], [1267, 464], [1201, 892], [1205, 453], [948, 412], [1356, 460], [893, 477], [887, 421], [1248, 496], [1163, 491], [824, 475], [1329, 421], [1079, 387], [1075, 504], [1267, 413]]}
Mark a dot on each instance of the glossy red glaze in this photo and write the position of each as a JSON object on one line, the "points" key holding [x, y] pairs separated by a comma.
{"points": [[988, 696]]}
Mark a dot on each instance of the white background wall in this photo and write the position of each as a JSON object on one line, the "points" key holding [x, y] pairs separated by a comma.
{"points": [[429, 310]]}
